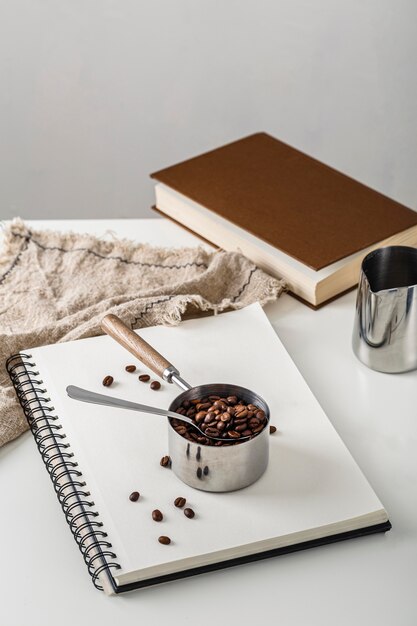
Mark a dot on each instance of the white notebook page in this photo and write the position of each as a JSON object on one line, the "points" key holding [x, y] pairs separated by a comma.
{"points": [[311, 481]]}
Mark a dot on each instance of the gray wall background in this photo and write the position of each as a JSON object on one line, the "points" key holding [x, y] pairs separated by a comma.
{"points": [[95, 94]]}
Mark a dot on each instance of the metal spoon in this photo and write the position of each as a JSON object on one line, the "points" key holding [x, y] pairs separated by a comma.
{"points": [[77, 393]]}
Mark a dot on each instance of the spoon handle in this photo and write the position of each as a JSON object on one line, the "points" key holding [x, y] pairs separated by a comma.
{"points": [[98, 398]]}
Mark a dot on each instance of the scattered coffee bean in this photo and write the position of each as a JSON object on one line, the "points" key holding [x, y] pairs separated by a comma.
{"points": [[144, 378], [189, 513], [155, 384], [130, 368], [134, 496], [179, 502], [107, 381], [165, 461], [272, 430], [157, 515], [164, 540]]}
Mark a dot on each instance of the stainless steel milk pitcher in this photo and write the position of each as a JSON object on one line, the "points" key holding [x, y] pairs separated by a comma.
{"points": [[385, 327]]}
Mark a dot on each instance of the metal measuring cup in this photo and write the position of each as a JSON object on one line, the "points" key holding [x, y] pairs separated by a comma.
{"points": [[205, 467]]}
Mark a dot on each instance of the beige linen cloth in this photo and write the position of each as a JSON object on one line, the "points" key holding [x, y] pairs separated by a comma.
{"points": [[57, 287]]}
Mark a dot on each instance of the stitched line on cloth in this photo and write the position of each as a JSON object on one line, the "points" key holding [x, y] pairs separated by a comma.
{"points": [[242, 289], [109, 258], [15, 260], [150, 305]]}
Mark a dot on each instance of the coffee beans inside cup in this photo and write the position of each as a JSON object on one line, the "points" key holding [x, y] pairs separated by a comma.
{"points": [[227, 419]]}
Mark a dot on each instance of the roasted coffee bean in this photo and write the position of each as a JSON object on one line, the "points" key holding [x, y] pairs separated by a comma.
{"points": [[190, 412], [208, 418], [157, 515], [195, 401], [240, 414], [181, 430], [220, 426], [165, 461], [164, 540], [257, 430], [225, 417], [130, 368], [144, 378], [199, 417], [241, 421], [241, 427], [107, 381], [254, 423], [212, 432], [186, 404], [179, 502], [134, 496], [203, 406], [272, 430], [189, 513], [231, 410], [246, 433], [260, 415], [155, 385], [213, 398], [232, 400], [252, 407], [181, 411], [233, 434]]}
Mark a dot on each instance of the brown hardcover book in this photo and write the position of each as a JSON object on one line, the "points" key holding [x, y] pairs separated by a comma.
{"points": [[291, 214]]}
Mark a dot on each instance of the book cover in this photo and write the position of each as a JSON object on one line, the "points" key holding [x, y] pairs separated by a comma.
{"points": [[288, 199]]}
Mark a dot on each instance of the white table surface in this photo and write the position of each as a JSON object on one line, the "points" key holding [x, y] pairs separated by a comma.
{"points": [[371, 580]]}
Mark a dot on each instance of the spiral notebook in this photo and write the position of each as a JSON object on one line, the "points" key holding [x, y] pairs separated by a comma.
{"points": [[312, 492]]}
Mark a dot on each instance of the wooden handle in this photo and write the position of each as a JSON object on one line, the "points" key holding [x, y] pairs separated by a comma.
{"points": [[113, 326]]}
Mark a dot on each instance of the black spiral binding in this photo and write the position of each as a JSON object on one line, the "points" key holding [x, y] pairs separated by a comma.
{"points": [[62, 468]]}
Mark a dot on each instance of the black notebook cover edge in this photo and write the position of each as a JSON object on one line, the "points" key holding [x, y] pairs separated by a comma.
{"points": [[241, 560]]}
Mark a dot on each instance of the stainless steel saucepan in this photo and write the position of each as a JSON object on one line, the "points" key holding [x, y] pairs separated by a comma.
{"points": [[206, 467]]}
